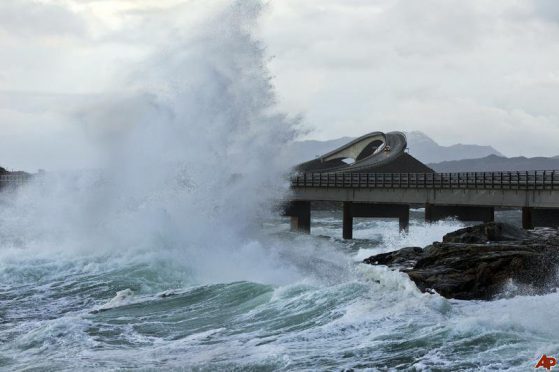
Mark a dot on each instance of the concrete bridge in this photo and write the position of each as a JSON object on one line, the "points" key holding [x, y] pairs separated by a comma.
{"points": [[465, 196], [13, 180]]}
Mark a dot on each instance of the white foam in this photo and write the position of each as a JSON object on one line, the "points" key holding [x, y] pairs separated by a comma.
{"points": [[420, 234], [122, 298]]}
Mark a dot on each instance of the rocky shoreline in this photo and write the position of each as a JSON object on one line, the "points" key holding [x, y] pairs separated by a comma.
{"points": [[482, 262]]}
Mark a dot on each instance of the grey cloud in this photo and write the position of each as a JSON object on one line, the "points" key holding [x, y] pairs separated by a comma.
{"points": [[33, 19], [455, 26], [474, 69], [461, 71], [547, 9]]}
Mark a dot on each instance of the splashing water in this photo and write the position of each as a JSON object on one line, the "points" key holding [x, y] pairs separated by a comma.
{"points": [[168, 257], [194, 148]]}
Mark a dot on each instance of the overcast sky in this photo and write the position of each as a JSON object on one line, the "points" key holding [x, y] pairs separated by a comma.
{"points": [[474, 71]]}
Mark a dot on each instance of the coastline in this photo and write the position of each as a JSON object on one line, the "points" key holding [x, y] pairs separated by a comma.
{"points": [[482, 262]]}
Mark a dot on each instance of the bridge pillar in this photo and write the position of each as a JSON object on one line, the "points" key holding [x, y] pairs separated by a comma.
{"points": [[527, 220], [300, 213], [347, 223], [539, 217], [404, 221], [462, 213]]}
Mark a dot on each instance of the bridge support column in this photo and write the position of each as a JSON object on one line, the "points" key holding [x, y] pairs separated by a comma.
{"points": [[527, 220], [404, 221], [347, 223], [539, 217], [300, 213], [462, 213]]}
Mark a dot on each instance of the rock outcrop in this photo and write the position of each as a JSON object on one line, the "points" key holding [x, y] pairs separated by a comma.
{"points": [[482, 262]]}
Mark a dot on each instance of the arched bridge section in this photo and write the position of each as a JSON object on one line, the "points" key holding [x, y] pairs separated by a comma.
{"points": [[374, 152]]}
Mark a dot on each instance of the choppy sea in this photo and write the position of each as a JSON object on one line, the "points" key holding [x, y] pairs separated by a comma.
{"points": [[285, 302]]}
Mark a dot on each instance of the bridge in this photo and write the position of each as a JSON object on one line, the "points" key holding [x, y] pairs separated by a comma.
{"points": [[13, 180], [374, 176], [469, 196]]}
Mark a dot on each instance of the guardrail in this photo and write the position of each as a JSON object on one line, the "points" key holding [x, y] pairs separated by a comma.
{"points": [[13, 179], [535, 180]]}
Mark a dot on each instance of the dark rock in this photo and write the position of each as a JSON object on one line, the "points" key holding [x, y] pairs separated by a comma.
{"points": [[404, 258], [489, 232], [478, 262]]}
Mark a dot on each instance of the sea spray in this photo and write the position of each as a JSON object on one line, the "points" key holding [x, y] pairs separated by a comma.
{"points": [[194, 157]]}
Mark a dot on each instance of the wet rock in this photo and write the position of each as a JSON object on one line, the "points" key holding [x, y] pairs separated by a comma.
{"points": [[488, 232], [404, 258], [478, 262]]}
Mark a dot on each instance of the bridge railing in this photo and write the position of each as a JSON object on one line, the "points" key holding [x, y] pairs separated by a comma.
{"points": [[14, 179], [534, 180]]}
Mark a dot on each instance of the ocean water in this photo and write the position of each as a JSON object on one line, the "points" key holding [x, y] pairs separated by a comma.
{"points": [[170, 257], [302, 303]]}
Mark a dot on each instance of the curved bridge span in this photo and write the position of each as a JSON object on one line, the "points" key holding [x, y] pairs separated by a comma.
{"points": [[374, 152]]}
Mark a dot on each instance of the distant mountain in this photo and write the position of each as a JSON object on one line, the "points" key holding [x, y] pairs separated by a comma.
{"points": [[428, 151], [495, 163], [420, 146]]}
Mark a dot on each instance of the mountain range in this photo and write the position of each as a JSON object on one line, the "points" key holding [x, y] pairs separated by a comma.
{"points": [[493, 163], [425, 149]]}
